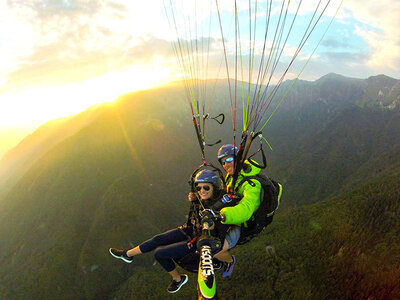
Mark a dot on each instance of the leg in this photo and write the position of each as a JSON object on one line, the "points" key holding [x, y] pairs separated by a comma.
{"points": [[165, 255], [166, 238], [224, 254], [134, 251], [176, 276], [228, 259], [231, 239]]}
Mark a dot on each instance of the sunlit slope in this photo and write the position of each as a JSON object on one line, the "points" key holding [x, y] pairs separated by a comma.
{"points": [[19, 159], [342, 248], [121, 176], [118, 180], [311, 115]]}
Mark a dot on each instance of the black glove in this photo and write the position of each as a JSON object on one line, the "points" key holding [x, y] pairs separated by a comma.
{"points": [[210, 217]]}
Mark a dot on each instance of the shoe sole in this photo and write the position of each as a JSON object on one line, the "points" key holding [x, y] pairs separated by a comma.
{"points": [[120, 257], [182, 284]]}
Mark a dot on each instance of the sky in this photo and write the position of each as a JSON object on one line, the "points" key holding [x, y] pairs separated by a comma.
{"points": [[59, 57]]}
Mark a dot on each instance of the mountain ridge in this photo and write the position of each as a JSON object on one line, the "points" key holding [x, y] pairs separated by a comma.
{"points": [[122, 177]]}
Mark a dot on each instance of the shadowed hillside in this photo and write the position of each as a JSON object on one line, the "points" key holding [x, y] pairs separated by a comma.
{"points": [[116, 174], [341, 248]]}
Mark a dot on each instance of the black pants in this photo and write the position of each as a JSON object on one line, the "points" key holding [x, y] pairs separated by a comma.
{"points": [[172, 244]]}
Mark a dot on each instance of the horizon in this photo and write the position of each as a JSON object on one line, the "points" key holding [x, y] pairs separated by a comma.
{"points": [[11, 138], [62, 58]]}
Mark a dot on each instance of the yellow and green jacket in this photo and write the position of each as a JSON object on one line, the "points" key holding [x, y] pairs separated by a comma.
{"points": [[250, 196]]}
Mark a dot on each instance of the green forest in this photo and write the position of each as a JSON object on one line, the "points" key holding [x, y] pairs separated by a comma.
{"points": [[116, 174], [341, 248]]}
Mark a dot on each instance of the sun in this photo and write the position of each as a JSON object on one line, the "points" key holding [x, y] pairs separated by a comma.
{"points": [[36, 106]]}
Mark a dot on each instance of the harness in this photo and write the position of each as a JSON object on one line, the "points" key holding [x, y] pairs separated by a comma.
{"points": [[271, 192]]}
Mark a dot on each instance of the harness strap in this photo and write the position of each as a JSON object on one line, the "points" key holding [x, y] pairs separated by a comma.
{"points": [[264, 158], [190, 243], [248, 179]]}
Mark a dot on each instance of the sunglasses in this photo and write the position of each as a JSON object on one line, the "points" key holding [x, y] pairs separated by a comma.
{"points": [[227, 160], [204, 187]]}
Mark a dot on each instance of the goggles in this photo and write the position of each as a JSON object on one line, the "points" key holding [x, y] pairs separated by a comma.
{"points": [[227, 160], [204, 187]]}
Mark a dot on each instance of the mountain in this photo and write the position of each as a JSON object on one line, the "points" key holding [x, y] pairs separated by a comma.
{"points": [[331, 154], [97, 180], [19, 159], [382, 91], [116, 174], [340, 248]]}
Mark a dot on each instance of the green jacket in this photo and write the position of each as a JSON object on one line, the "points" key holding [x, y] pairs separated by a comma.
{"points": [[250, 195]]}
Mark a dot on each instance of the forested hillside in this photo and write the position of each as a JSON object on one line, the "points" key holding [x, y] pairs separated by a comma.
{"points": [[117, 174], [345, 247]]}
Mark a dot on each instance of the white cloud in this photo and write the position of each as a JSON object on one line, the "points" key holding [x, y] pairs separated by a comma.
{"points": [[380, 30], [16, 37], [50, 42]]}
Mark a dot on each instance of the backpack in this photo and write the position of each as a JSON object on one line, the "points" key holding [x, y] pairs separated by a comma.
{"points": [[271, 192]]}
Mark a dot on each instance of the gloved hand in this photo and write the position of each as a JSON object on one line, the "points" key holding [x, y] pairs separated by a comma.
{"points": [[192, 197], [226, 199], [210, 217]]}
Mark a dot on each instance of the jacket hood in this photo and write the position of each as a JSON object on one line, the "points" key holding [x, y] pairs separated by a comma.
{"points": [[249, 169]]}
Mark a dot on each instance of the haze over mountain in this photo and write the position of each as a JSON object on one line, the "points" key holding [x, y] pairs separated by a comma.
{"points": [[116, 174]]}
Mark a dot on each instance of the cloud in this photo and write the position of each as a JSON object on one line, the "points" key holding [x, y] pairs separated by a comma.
{"points": [[147, 50], [51, 65], [379, 28], [333, 42], [347, 63], [57, 42], [344, 57]]}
